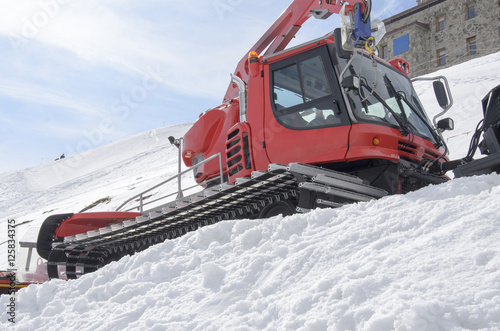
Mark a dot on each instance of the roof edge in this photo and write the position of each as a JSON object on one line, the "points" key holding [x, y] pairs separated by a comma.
{"points": [[412, 11]]}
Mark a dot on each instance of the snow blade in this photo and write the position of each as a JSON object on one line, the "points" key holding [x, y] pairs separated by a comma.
{"points": [[47, 233], [491, 143]]}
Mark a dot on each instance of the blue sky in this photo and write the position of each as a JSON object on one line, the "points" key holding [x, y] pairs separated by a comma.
{"points": [[75, 75]]}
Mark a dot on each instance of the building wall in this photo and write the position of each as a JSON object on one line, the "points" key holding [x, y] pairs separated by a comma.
{"points": [[420, 23]]}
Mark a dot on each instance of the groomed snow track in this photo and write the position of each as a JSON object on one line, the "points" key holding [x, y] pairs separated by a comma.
{"points": [[300, 185]]}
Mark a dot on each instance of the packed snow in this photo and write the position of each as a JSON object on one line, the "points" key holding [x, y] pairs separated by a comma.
{"points": [[427, 260]]}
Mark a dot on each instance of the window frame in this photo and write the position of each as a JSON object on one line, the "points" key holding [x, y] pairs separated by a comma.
{"points": [[438, 26], [469, 40], [467, 10], [335, 98], [385, 55], [441, 54]]}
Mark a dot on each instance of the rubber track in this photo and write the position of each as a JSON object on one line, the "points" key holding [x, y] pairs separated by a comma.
{"points": [[242, 200]]}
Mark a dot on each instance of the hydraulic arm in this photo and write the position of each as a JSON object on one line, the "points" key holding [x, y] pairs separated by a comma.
{"points": [[279, 35]]}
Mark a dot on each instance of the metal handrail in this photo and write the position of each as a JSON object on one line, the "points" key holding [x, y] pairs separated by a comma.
{"points": [[178, 176], [161, 198]]}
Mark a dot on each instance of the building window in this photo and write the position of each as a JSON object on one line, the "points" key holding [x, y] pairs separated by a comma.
{"points": [[471, 46], [401, 45], [471, 10], [440, 22], [384, 52], [441, 55]]}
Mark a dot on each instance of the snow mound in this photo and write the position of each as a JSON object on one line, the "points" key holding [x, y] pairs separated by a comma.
{"points": [[428, 260]]}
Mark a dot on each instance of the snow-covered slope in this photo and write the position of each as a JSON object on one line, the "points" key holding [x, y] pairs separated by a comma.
{"points": [[428, 260], [470, 82], [119, 171]]}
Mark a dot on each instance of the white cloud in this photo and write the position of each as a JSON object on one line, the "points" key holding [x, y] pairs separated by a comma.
{"points": [[82, 56], [187, 39], [31, 93]]}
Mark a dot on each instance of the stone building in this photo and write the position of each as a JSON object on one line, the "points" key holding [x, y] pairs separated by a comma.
{"points": [[440, 33]]}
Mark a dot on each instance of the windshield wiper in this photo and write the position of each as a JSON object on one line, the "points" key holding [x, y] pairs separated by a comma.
{"points": [[400, 96], [404, 129], [439, 141], [397, 96]]}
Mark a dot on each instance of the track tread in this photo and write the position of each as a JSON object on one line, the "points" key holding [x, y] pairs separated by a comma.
{"points": [[245, 199]]}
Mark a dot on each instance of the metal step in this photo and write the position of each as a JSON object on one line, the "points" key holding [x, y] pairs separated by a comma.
{"points": [[330, 204], [311, 171], [335, 192], [332, 180], [277, 168]]}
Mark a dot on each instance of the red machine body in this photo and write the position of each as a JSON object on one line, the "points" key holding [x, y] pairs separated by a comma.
{"points": [[84, 222], [263, 137]]}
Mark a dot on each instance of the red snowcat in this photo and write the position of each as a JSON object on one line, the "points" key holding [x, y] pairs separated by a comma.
{"points": [[321, 124]]}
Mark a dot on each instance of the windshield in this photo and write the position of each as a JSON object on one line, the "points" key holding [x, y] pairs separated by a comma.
{"points": [[386, 96]]}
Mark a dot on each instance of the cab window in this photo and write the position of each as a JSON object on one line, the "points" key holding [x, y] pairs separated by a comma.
{"points": [[302, 95]]}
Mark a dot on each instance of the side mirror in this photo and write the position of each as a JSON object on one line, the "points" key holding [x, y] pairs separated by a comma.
{"points": [[441, 95], [446, 124]]}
